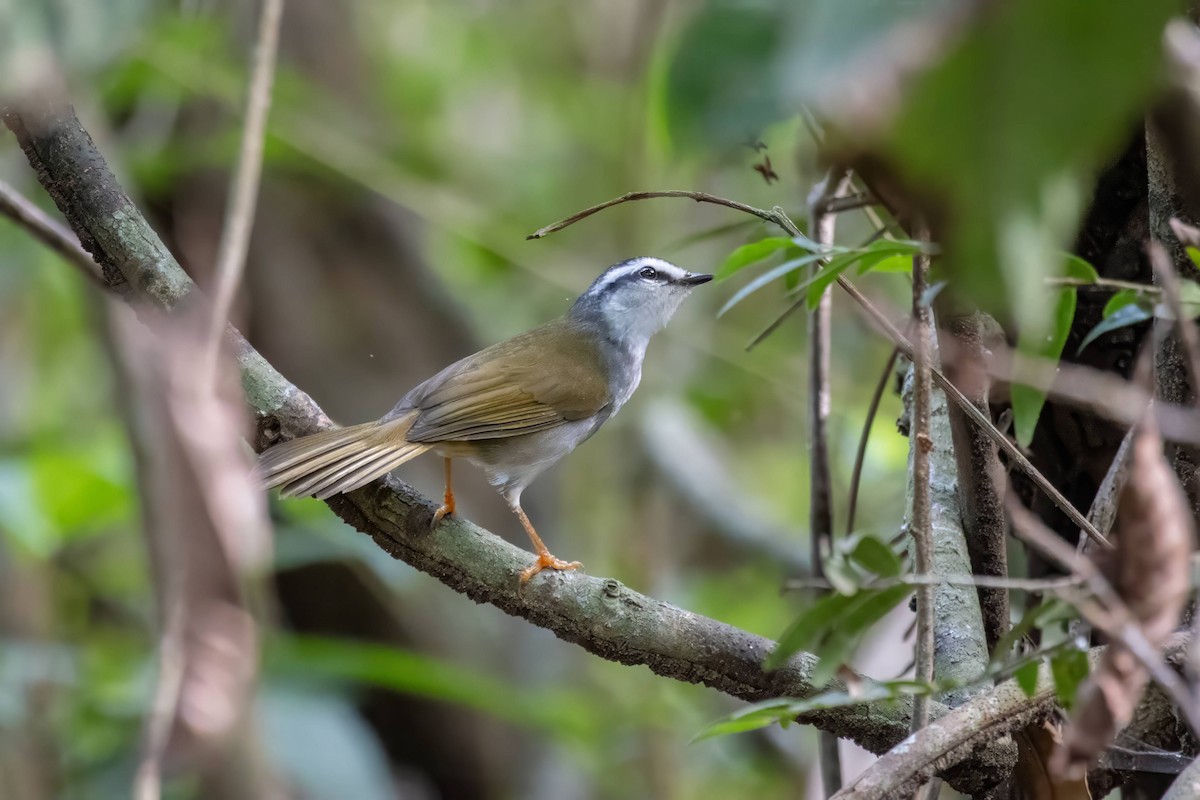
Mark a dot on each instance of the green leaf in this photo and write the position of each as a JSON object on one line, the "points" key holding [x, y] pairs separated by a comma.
{"points": [[786, 268], [892, 263], [807, 630], [1069, 667], [868, 257], [1121, 318], [1027, 401], [769, 712], [1080, 269], [1032, 618], [834, 625], [1125, 297], [1027, 678], [751, 253], [1194, 255], [867, 608], [874, 555]]}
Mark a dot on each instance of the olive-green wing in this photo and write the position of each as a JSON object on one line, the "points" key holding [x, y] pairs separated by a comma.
{"points": [[533, 382]]}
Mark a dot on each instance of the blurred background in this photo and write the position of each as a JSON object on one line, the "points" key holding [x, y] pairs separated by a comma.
{"points": [[412, 147]]}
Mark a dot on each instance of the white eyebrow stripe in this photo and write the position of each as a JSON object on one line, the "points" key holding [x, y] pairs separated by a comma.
{"points": [[631, 266]]}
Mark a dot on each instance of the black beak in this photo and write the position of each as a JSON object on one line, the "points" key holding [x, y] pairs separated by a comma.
{"points": [[694, 279]]}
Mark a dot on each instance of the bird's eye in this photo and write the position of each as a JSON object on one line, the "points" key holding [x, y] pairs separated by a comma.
{"points": [[649, 273]]}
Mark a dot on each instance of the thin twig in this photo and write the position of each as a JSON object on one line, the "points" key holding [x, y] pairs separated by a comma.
{"points": [[1103, 510], [243, 187], [820, 496], [699, 197], [1048, 585], [1164, 270], [861, 454], [48, 231], [850, 202], [1102, 283], [921, 443], [779, 217]]}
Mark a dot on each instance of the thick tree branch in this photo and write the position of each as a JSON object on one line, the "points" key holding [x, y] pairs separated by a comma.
{"points": [[600, 615]]}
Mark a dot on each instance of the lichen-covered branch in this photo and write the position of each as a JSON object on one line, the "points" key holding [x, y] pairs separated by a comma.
{"points": [[600, 615], [960, 651]]}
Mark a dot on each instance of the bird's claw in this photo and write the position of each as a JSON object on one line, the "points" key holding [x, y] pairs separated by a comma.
{"points": [[546, 561]]}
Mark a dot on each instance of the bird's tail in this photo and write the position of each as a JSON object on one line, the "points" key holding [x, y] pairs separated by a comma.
{"points": [[339, 460]]}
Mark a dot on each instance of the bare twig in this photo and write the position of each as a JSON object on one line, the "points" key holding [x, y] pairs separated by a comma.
{"points": [[243, 188], [1102, 283], [1048, 585], [699, 197], [920, 521], [837, 205], [1103, 510], [820, 496], [48, 231], [860, 455], [779, 217]]}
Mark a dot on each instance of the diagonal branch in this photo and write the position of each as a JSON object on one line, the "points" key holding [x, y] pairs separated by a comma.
{"points": [[600, 615]]}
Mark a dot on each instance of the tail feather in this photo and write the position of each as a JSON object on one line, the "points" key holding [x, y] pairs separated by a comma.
{"points": [[369, 472], [340, 460], [310, 482]]}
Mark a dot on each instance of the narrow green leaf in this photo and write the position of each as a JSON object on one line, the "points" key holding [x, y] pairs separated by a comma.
{"points": [[842, 576], [1121, 318], [786, 268], [768, 712], [752, 253], [1069, 667], [874, 555], [1194, 255], [828, 274], [1027, 677], [1027, 401], [892, 263], [867, 608], [1125, 297], [808, 628], [1079, 268], [870, 256], [1032, 618]]}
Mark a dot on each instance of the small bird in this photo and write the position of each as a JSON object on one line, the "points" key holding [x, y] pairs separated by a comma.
{"points": [[513, 409]]}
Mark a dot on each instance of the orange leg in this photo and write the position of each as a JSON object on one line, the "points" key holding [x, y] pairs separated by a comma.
{"points": [[544, 559], [447, 507]]}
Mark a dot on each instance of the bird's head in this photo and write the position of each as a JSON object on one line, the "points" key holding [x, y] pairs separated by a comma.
{"points": [[634, 299]]}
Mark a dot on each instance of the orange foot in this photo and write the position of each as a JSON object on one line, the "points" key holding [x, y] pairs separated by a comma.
{"points": [[546, 561], [445, 510]]}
